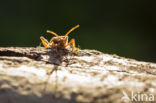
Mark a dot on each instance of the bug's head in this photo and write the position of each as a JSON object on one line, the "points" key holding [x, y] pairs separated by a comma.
{"points": [[57, 40]]}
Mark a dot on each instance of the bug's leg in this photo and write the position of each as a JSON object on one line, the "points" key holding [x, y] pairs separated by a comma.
{"points": [[44, 42], [73, 45]]}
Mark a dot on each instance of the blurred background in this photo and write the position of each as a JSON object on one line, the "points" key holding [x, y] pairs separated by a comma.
{"points": [[123, 27]]}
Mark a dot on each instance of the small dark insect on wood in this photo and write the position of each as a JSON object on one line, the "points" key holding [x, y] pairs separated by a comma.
{"points": [[59, 42]]}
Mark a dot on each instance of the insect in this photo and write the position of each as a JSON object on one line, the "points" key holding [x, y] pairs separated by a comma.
{"points": [[59, 42]]}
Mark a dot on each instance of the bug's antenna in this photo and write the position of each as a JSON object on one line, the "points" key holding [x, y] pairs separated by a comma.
{"points": [[51, 32], [71, 30]]}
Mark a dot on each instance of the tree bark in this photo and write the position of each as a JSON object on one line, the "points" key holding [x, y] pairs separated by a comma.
{"points": [[39, 75]]}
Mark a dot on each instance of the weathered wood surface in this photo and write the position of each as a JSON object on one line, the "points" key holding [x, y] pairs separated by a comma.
{"points": [[38, 75]]}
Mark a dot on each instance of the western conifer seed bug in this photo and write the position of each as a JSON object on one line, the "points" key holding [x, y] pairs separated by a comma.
{"points": [[59, 42]]}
